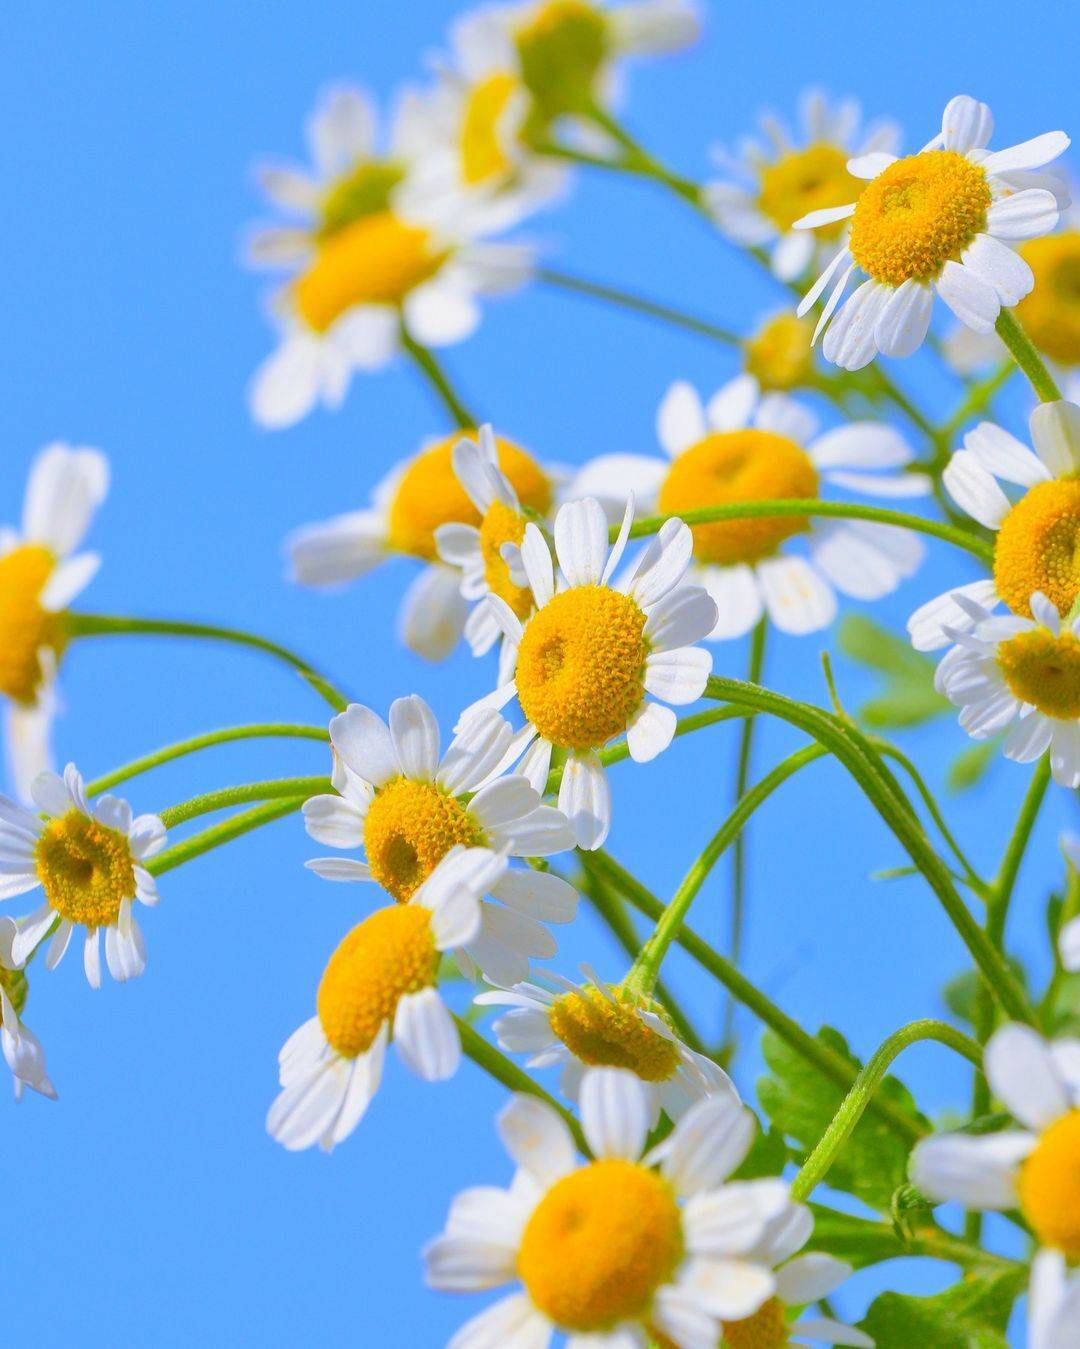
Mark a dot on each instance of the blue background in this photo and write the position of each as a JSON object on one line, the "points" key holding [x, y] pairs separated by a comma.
{"points": [[148, 1206]]}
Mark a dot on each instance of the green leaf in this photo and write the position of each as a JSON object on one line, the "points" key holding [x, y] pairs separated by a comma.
{"points": [[767, 1157], [972, 1314], [970, 765], [909, 697], [961, 992], [859, 1241]]}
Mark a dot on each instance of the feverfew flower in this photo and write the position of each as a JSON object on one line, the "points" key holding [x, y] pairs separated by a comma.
{"points": [[22, 1049], [1053, 1303]]}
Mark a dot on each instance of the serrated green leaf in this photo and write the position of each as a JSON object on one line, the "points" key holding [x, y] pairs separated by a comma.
{"points": [[970, 765], [909, 697], [972, 1314], [767, 1157]]}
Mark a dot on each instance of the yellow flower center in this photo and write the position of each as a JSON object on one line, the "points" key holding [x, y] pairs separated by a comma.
{"points": [[25, 627], [1050, 1186], [85, 868], [429, 494], [804, 181], [562, 49], [1051, 313], [1043, 670], [410, 827], [612, 1035], [365, 191], [766, 1329], [482, 153], [735, 466], [375, 260], [503, 525], [581, 666], [917, 215], [599, 1244], [779, 355], [383, 959], [1038, 547]]}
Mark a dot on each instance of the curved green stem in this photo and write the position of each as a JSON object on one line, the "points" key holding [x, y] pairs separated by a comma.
{"points": [[638, 304], [1022, 350], [221, 833], [271, 790], [436, 379]]}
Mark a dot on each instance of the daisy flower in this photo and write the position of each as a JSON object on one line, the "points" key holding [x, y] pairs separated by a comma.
{"points": [[938, 221], [1034, 537], [381, 984], [407, 508], [584, 662], [22, 1049], [618, 1249], [1053, 1303], [601, 1025], [1050, 314], [779, 355], [741, 447], [89, 862], [769, 187], [40, 574], [407, 807]]}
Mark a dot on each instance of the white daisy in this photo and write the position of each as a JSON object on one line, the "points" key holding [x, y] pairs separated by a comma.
{"points": [[40, 574], [89, 861], [22, 1049], [381, 984], [406, 808], [657, 1244], [940, 221], [742, 447], [1053, 1303], [767, 187]]}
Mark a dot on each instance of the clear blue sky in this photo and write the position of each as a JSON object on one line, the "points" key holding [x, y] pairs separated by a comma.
{"points": [[148, 1206]]}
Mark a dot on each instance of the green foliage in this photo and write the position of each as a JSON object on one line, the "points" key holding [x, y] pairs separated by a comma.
{"points": [[909, 697], [971, 764], [961, 992], [767, 1157], [859, 1241], [972, 1314]]}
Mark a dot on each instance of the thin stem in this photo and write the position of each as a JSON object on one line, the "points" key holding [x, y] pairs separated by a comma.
{"points": [[624, 299], [221, 833], [437, 381], [1022, 350], [977, 399], [271, 790], [816, 1166]]}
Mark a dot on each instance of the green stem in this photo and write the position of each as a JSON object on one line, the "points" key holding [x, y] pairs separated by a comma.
{"points": [[816, 1166], [976, 400], [221, 833], [436, 379], [638, 304], [1022, 350], [272, 790]]}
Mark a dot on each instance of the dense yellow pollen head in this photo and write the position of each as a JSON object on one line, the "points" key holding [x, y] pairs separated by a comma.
{"points": [[366, 190], [581, 666], [502, 525], [1050, 1186], [917, 215], [482, 154], [804, 181], [429, 494], [733, 466], [1051, 313], [1043, 670], [377, 259], [779, 355], [85, 868], [1038, 547], [25, 627], [562, 49], [599, 1244], [611, 1034], [766, 1329], [387, 956], [409, 829]]}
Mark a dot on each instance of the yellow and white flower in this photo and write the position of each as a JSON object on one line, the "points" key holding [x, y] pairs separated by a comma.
{"points": [[89, 861], [406, 807], [621, 1248], [741, 447], [1035, 543], [778, 354], [938, 222], [1053, 1303], [22, 1049], [768, 187], [381, 984], [407, 509], [40, 574], [594, 648]]}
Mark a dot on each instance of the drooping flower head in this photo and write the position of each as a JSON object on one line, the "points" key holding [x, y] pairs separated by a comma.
{"points": [[22, 1049]]}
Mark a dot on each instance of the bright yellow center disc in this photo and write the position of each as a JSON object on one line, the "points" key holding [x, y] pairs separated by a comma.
{"points": [[25, 627], [1051, 313], [804, 181], [1044, 670], [1050, 1186], [503, 525], [1038, 547], [779, 355], [85, 869], [610, 1034], [409, 829]]}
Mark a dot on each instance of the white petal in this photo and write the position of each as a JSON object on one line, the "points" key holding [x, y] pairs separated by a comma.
{"points": [[65, 488], [972, 300], [828, 215], [737, 596], [286, 386], [457, 1264], [440, 313], [1000, 267], [289, 187], [1029, 739], [797, 598], [337, 550], [614, 1106], [1055, 431], [793, 255], [708, 1143], [536, 559], [433, 613], [683, 617], [853, 562], [650, 731], [585, 799], [364, 742], [926, 625], [828, 1331], [849, 341], [333, 821], [904, 319], [974, 490], [860, 445], [732, 406], [1031, 154], [730, 1289], [870, 165], [581, 541], [542, 833], [512, 1323], [415, 734], [426, 1037], [1024, 215], [1069, 945], [817, 289], [731, 1220], [977, 1170], [342, 130], [32, 931], [810, 1277], [966, 124], [786, 416], [1002, 455], [59, 944], [475, 751], [1020, 1069], [1065, 754], [92, 958], [68, 579], [678, 676], [303, 1112], [662, 563], [536, 1139], [680, 421], [538, 893]]}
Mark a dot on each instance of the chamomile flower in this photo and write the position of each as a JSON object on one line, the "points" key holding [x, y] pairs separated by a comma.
{"points": [[769, 187], [621, 1248], [40, 574], [381, 984], [779, 355], [1053, 1303], [22, 1049], [576, 1028], [89, 862], [407, 509], [938, 222], [584, 662], [1035, 536], [407, 807], [740, 448]]}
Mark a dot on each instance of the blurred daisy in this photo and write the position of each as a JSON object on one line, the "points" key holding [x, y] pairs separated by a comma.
{"points": [[585, 661], [89, 862], [1053, 1303], [40, 574], [940, 221], [407, 807], [740, 448], [620, 1248], [769, 187], [779, 355], [22, 1049], [1035, 543], [381, 984], [407, 509]]}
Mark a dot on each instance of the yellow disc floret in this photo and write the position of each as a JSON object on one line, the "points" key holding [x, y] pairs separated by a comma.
{"points": [[365, 191], [804, 181], [779, 355], [609, 1033], [599, 1244], [917, 215], [1051, 313], [1043, 670], [25, 627], [483, 155], [562, 48], [766, 1329], [736, 466], [581, 666], [1038, 547], [85, 868], [500, 525], [387, 956], [1050, 1186], [409, 829]]}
